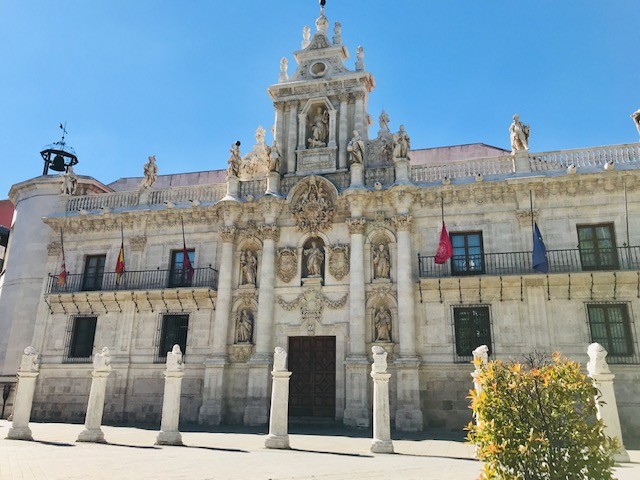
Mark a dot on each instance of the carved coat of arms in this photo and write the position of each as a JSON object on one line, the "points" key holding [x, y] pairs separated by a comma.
{"points": [[287, 265], [339, 261]]}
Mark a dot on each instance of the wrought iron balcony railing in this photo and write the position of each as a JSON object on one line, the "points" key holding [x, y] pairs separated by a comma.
{"points": [[136, 280], [519, 263]]}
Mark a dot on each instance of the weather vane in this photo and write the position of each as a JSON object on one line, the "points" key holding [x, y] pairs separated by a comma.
{"points": [[58, 156]]}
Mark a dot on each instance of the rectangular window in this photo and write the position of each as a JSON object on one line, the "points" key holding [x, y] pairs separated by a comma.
{"points": [[93, 272], [597, 247], [467, 253], [172, 331], [609, 326], [178, 275], [472, 329], [80, 339]]}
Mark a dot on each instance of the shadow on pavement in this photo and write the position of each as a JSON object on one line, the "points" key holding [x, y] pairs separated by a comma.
{"points": [[143, 447], [217, 449], [341, 454], [55, 444]]}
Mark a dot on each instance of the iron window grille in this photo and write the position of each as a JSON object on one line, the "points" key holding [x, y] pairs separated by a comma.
{"points": [[610, 326], [172, 330], [80, 337], [472, 328]]}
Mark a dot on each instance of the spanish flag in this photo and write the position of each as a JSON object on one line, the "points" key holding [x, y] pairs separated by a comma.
{"points": [[62, 278], [120, 265]]}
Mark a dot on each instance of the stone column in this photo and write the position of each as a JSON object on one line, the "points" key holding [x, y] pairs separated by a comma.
{"points": [[292, 141], [169, 432], [278, 418], [357, 412], [607, 408], [343, 133], [302, 128], [408, 414], [381, 419], [332, 128], [360, 120], [93, 420], [279, 124], [258, 387], [23, 401], [211, 409]]}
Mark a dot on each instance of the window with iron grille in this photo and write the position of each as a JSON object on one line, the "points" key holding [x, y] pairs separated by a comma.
{"points": [[173, 330], [610, 327], [472, 329], [93, 272], [467, 253], [597, 246], [178, 275], [80, 337]]}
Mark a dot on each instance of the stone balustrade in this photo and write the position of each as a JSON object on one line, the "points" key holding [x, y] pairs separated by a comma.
{"points": [[484, 166], [586, 157]]}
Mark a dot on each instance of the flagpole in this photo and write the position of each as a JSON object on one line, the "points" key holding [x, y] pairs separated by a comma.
{"points": [[184, 241], [626, 213], [533, 233], [442, 208]]}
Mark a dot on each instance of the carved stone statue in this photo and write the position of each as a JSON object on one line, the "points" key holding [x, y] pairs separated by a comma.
{"points": [[279, 359], [359, 58], [150, 173], [337, 33], [274, 157], [381, 261], [519, 134], [636, 119], [174, 359], [315, 259], [260, 133], [248, 268], [306, 36], [234, 159], [401, 144], [482, 352], [382, 324], [284, 64], [29, 361], [69, 182], [319, 129], [384, 121], [102, 361], [597, 363], [245, 326], [355, 149], [379, 359]]}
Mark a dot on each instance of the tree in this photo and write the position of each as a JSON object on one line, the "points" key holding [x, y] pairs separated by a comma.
{"points": [[537, 421]]}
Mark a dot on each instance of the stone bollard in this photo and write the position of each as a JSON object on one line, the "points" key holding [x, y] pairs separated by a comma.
{"points": [[95, 407], [169, 433], [606, 400], [482, 354], [381, 419], [27, 375], [278, 418]]}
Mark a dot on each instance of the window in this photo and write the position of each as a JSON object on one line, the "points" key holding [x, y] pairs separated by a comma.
{"points": [[93, 271], [80, 337], [178, 275], [597, 247], [609, 326], [467, 253], [472, 329], [172, 331]]}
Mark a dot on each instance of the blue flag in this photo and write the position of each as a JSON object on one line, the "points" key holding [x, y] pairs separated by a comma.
{"points": [[539, 260]]}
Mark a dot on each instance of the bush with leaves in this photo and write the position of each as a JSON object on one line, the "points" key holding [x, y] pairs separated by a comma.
{"points": [[537, 421]]}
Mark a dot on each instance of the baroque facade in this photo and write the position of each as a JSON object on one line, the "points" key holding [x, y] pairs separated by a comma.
{"points": [[324, 243]]}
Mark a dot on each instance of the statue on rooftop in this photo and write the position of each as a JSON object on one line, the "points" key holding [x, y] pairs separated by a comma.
{"points": [[355, 149], [234, 159], [274, 157], [401, 144], [519, 133], [69, 182], [384, 121], [306, 36], [636, 119], [150, 173], [284, 64]]}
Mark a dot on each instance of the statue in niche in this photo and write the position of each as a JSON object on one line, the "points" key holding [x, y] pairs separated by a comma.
{"points": [[519, 134], [150, 173], [245, 326], [274, 157], [69, 182], [384, 121], [355, 149], [234, 160], [315, 259], [248, 268], [636, 119], [401, 144], [382, 324], [381, 261], [319, 129]]}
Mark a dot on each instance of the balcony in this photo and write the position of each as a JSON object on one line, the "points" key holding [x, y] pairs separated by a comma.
{"points": [[136, 280], [519, 263]]}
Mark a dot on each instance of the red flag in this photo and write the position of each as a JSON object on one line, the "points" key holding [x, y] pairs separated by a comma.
{"points": [[445, 249], [186, 262], [62, 278], [120, 268]]}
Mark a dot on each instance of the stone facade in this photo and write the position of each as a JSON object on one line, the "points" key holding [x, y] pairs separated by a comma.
{"points": [[298, 256]]}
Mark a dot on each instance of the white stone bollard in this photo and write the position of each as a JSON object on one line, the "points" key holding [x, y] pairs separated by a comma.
{"points": [[278, 419], [93, 420], [481, 353], [169, 433], [606, 400], [381, 419], [27, 375]]}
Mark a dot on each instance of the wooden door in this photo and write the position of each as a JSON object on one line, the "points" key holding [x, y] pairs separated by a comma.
{"points": [[312, 362]]}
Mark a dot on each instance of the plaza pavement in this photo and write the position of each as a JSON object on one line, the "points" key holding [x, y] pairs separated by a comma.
{"points": [[317, 453]]}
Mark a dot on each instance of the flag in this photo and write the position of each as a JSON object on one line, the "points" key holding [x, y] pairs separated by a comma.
{"points": [[120, 268], [539, 261], [186, 262], [62, 278], [445, 249]]}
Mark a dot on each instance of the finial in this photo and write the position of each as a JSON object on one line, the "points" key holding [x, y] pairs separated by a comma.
{"points": [[321, 23]]}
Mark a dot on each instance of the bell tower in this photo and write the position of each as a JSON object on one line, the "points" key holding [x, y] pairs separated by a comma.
{"points": [[320, 105]]}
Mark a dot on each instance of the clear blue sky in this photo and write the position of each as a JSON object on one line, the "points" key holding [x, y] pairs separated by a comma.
{"points": [[184, 79]]}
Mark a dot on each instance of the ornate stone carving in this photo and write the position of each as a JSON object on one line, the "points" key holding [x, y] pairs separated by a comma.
{"points": [[312, 303], [597, 359], [356, 225], [519, 134], [287, 263], [150, 173], [315, 260], [384, 120], [69, 182], [255, 164], [339, 261], [279, 359], [636, 119], [319, 121], [228, 234], [102, 361], [381, 261], [174, 360], [269, 231], [138, 242], [313, 209], [401, 144], [380, 293], [355, 148], [29, 362], [382, 324], [284, 64], [379, 359], [240, 353], [54, 248], [244, 326], [248, 267], [233, 163], [402, 222], [524, 216]]}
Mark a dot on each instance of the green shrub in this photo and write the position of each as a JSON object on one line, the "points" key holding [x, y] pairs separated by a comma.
{"points": [[537, 421]]}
